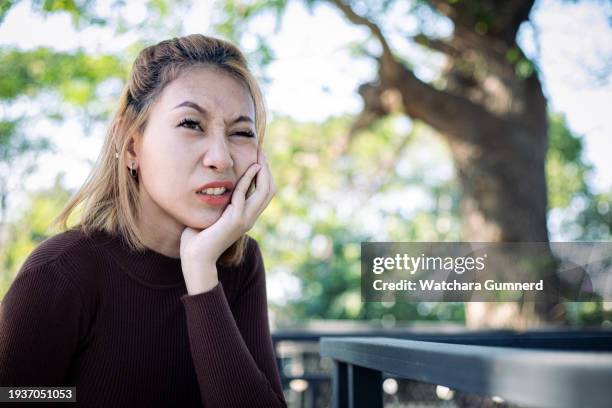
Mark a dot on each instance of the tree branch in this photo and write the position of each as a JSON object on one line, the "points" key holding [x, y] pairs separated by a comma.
{"points": [[508, 16], [384, 173], [355, 18], [373, 107], [436, 45], [442, 110]]}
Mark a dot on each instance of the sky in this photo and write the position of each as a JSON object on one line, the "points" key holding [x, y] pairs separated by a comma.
{"points": [[573, 38]]}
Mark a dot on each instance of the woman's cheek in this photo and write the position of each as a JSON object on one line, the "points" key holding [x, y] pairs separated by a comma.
{"points": [[246, 155]]}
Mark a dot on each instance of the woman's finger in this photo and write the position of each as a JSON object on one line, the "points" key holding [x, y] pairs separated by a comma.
{"points": [[261, 182], [258, 201], [238, 196]]}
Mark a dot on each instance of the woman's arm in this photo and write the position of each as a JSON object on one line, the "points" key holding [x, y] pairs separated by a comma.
{"points": [[231, 347], [40, 320]]}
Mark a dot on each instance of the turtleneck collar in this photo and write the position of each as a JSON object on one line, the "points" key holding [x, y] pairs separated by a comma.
{"points": [[148, 267]]}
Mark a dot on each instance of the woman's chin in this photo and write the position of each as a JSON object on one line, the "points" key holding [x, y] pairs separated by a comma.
{"points": [[203, 222]]}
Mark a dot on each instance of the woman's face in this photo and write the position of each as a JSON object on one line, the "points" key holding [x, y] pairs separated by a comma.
{"points": [[201, 130]]}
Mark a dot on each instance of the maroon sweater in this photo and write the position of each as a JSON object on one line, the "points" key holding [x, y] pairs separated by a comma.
{"points": [[120, 326]]}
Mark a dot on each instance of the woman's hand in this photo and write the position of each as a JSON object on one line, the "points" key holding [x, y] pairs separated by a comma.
{"points": [[200, 249]]}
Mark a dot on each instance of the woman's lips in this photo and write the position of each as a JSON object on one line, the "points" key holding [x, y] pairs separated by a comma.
{"points": [[215, 200]]}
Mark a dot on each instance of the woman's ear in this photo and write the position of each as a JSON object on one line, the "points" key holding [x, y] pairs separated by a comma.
{"points": [[132, 150]]}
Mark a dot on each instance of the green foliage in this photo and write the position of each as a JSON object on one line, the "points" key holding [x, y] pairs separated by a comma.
{"points": [[567, 175], [17, 160], [14, 144], [328, 182], [565, 167], [589, 218], [236, 15], [74, 75], [586, 216], [589, 313], [81, 12], [238, 18], [5, 6], [29, 230]]}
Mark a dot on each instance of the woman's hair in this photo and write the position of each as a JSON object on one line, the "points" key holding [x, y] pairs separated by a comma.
{"points": [[109, 196]]}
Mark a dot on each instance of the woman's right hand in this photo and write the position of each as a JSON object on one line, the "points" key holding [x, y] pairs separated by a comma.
{"points": [[200, 249]]}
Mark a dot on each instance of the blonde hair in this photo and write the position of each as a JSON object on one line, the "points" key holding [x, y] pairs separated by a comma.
{"points": [[109, 197]]}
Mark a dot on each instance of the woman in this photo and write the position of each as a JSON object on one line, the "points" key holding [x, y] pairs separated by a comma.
{"points": [[156, 297]]}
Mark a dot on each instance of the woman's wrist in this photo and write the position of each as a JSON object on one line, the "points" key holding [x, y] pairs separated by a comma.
{"points": [[200, 277]]}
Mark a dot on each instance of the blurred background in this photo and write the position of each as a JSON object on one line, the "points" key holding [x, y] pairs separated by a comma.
{"points": [[439, 120]]}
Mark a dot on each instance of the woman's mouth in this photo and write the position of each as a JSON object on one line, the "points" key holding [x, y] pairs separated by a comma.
{"points": [[216, 196]]}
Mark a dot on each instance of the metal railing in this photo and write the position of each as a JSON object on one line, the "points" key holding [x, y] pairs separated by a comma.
{"points": [[540, 370], [574, 364]]}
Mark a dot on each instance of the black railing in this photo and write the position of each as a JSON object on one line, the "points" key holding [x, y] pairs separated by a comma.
{"points": [[565, 368]]}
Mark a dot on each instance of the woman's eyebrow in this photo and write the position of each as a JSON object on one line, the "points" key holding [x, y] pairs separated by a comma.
{"points": [[241, 118], [193, 105]]}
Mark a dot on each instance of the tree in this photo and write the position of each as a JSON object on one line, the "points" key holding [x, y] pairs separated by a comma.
{"points": [[491, 112], [330, 199], [487, 104]]}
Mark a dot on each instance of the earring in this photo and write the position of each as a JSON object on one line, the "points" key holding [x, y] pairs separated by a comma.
{"points": [[133, 171]]}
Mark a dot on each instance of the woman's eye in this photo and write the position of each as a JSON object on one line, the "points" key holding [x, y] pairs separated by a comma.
{"points": [[245, 133], [190, 124]]}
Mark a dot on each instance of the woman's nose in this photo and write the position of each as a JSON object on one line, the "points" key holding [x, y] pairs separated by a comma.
{"points": [[217, 155]]}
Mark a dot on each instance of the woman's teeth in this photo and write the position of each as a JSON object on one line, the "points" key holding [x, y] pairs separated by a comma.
{"points": [[213, 191]]}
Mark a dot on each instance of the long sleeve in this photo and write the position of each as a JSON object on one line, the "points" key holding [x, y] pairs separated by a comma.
{"points": [[231, 347], [40, 319]]}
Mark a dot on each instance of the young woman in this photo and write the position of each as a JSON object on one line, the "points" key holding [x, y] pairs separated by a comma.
{"points": [[156, 297]]}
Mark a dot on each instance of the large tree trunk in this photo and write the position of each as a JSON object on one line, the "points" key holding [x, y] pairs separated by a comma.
{"points": [[492, 113], [500, 162]]}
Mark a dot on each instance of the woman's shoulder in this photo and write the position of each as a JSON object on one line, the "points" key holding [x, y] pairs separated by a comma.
{"points": [[73, 244], [52, 286], [72, 255], [66, 263]]}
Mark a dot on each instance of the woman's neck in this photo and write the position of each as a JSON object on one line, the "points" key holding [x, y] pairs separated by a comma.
{"points": [[166, 241]]}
